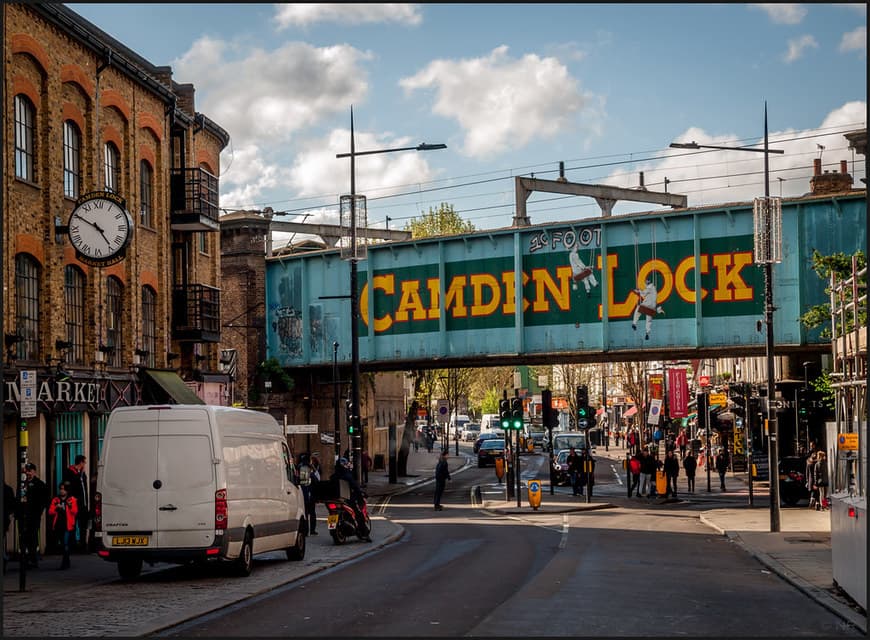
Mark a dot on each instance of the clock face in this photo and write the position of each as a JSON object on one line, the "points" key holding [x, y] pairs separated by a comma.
{"points": [[100, 230]]}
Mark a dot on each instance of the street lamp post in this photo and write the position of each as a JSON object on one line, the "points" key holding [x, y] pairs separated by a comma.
{"points": [[354, 293], [766, 253]]}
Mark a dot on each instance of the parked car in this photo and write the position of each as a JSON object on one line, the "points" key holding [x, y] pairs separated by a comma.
{"points": [[537, 437], [471, 433], [486, 435], [489, 451], [792, 480]]}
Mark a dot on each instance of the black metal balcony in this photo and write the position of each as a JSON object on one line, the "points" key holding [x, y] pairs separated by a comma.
{"points": [[196, 313], [193, 200]]}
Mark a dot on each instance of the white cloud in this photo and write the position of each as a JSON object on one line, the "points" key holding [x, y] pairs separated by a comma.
{"points": [[855, 40], [783, 13], [502, 102], [797, 46], [303, 15], [316, 170], [260, 96], [714, 177], [246, 174]]}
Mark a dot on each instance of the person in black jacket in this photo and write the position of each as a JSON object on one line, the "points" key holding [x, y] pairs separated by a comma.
{"points": [[442, 475], [79, 488], [32, 501], [647, 473], [721, 463], [690, 464], [575, 467], [671, 468]]}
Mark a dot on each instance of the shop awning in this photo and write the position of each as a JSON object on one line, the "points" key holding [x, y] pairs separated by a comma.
{"points": [[631, 411], [173, 386]]}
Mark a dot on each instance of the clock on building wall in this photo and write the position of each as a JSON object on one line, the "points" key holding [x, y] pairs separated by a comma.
{"points": [[100, 228]]}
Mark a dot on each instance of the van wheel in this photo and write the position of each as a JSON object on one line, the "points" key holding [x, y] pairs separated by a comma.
{"points": [[129, 568], [245, 563], [297, 551]]}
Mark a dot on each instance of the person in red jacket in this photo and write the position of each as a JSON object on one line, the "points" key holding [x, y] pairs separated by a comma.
{"points": [[62, 514]]}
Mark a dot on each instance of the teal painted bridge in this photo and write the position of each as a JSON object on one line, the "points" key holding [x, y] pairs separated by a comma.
{"points": [[661, 285]]}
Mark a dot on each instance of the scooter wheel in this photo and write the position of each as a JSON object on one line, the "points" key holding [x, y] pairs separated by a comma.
{"points": [[338, 536]]}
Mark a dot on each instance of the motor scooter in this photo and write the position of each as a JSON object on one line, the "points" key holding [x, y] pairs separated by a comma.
{"points": [[342, 521]]}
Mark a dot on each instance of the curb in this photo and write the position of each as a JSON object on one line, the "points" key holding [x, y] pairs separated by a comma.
{"points": [[819, 595]]}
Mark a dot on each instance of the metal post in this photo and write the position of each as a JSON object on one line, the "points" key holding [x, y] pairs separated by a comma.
{"points": [[517, 465], [704, 414], [356, 440], [337, 422], [773, 473], [606, 418], [748, 429]]}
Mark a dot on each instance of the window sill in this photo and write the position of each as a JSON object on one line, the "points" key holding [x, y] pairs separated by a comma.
{"points": [[32, 185]]}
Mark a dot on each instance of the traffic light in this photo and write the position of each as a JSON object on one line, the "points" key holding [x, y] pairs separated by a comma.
{"points": [[504, 413], [350, 413], [584, 411], [547, 408], [516, 414]]}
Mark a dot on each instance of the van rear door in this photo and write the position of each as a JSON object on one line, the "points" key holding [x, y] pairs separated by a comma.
{"points": [[186, 477], [129, 468]]}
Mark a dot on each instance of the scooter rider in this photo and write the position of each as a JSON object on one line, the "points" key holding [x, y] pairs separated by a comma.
{"points": [[357, 496]]}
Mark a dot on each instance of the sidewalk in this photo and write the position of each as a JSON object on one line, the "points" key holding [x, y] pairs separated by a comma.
{"points": [[800, 552], [61, 603]]}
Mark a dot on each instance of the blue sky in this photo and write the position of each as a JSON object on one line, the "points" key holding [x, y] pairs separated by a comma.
{"points": [[512, 89]]}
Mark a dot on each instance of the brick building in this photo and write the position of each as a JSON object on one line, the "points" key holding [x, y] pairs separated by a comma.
{"points": [[82, 113]]}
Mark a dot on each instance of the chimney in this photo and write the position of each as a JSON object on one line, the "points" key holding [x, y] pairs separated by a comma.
{"points": [[829, 182]]}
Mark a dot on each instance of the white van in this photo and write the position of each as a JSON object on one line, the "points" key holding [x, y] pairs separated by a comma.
{"points": [[180, 483], [489, 422]]}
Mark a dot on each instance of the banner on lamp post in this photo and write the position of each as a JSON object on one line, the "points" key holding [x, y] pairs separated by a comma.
{"points": [[678, 393], [656, 386], [655, 411]]}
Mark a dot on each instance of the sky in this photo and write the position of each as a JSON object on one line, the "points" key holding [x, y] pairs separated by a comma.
{"points": [[512, 90]]}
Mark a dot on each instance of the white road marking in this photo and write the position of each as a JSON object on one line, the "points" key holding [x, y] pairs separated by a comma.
{"points": [[564, 541]]}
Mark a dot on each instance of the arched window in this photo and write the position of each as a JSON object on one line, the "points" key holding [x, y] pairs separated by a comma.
{"points": [[72, 164], [146, 178], [149, 325], [114, 320], [112, 166], [74, 299], [25, 138], [27, 285]]}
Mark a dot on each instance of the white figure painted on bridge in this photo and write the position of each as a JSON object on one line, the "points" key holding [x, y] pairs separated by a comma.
{"points": [[647, 305], [581, 273]]}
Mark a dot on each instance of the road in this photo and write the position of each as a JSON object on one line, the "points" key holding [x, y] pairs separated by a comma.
{"points": [[634, 570]]}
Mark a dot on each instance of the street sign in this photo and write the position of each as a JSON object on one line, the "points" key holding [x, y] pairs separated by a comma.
{"points": [[655, 410], [718, 398], [28, 394], [442, 411], [704, 381], [301, 428], [847, 441]]}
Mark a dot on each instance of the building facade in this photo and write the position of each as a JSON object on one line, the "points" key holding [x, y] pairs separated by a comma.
{"points": [[82, 115]]}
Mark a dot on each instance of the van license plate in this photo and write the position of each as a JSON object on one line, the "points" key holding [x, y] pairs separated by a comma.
{"points": [[332, 520], [129, 541]]}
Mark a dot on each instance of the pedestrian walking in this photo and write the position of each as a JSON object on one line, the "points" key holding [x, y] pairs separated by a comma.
{"points": [[588, 473], [366, 467], [574, 467], [632, 442], [306, 477], [721, 463], [690, 464], [32, 501], [647, 469], [671, 467], [682, 442], [79, 488], [634, 469], [442, 475], [809, 476], [820, 476], [9, 508], [63, 515]]}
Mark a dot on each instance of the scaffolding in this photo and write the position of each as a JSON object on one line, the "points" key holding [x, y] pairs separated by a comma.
{"points": [[849, 378]]}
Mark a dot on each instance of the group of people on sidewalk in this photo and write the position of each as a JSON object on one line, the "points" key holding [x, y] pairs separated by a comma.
{"points": [[817, 480], [69, 513], [644, 465]]}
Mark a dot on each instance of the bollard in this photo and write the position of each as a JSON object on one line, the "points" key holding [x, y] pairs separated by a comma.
{"points": [[534, 493]]}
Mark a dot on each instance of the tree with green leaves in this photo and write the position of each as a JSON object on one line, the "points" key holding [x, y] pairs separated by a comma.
{"points": [[442, 221], [824, 266]]}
